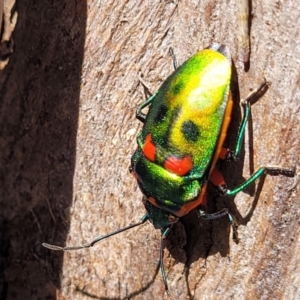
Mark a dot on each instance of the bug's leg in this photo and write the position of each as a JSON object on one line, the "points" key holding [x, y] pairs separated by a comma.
{"points": [[161, 259], [143, 82], [246, 104], [141, 116], [222, 213], [262, 171], [172, 54], [224, 191], [217, 179]]}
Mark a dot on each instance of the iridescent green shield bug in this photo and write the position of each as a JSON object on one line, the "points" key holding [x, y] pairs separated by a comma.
{"points": [[182, 140]]}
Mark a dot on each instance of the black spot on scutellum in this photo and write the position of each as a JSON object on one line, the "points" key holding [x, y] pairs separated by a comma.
{"points": [[190, 131], [161, 113], [177, 88]]}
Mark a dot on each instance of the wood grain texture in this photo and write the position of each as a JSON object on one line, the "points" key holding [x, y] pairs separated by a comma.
{"points": [[68, 128]]}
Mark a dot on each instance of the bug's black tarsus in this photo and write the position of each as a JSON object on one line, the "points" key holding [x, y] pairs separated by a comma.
{"points": [[231, 156], [220, 214], [222, 189], [235, 234], [234, 226], [144, 84], [173, 56], [223, 212], [274, 171], [257, 93]]}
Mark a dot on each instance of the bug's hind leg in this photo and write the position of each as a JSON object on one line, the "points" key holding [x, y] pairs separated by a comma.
{"points": [[262, 171], [246, 105]]}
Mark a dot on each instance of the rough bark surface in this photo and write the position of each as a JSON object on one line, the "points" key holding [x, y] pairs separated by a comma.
{"points": [[67, 132]]}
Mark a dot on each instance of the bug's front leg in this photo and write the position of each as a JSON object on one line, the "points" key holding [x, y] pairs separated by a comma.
{"points": [[220, 214], [217, 179]]}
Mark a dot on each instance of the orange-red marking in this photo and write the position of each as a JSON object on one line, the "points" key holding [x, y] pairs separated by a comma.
{"points": [[149, 148], [179, 166], [216, 177]]}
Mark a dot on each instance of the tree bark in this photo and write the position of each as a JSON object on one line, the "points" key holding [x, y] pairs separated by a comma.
{"points": [[68, 130]]}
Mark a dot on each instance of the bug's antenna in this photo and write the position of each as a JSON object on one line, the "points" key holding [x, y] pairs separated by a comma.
{"points": [[98, 239]]}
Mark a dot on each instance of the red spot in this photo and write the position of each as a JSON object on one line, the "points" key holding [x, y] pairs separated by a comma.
{"points": [[153, 201], [216, 177], [179, 166], [149, 148], [223, 154]]}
